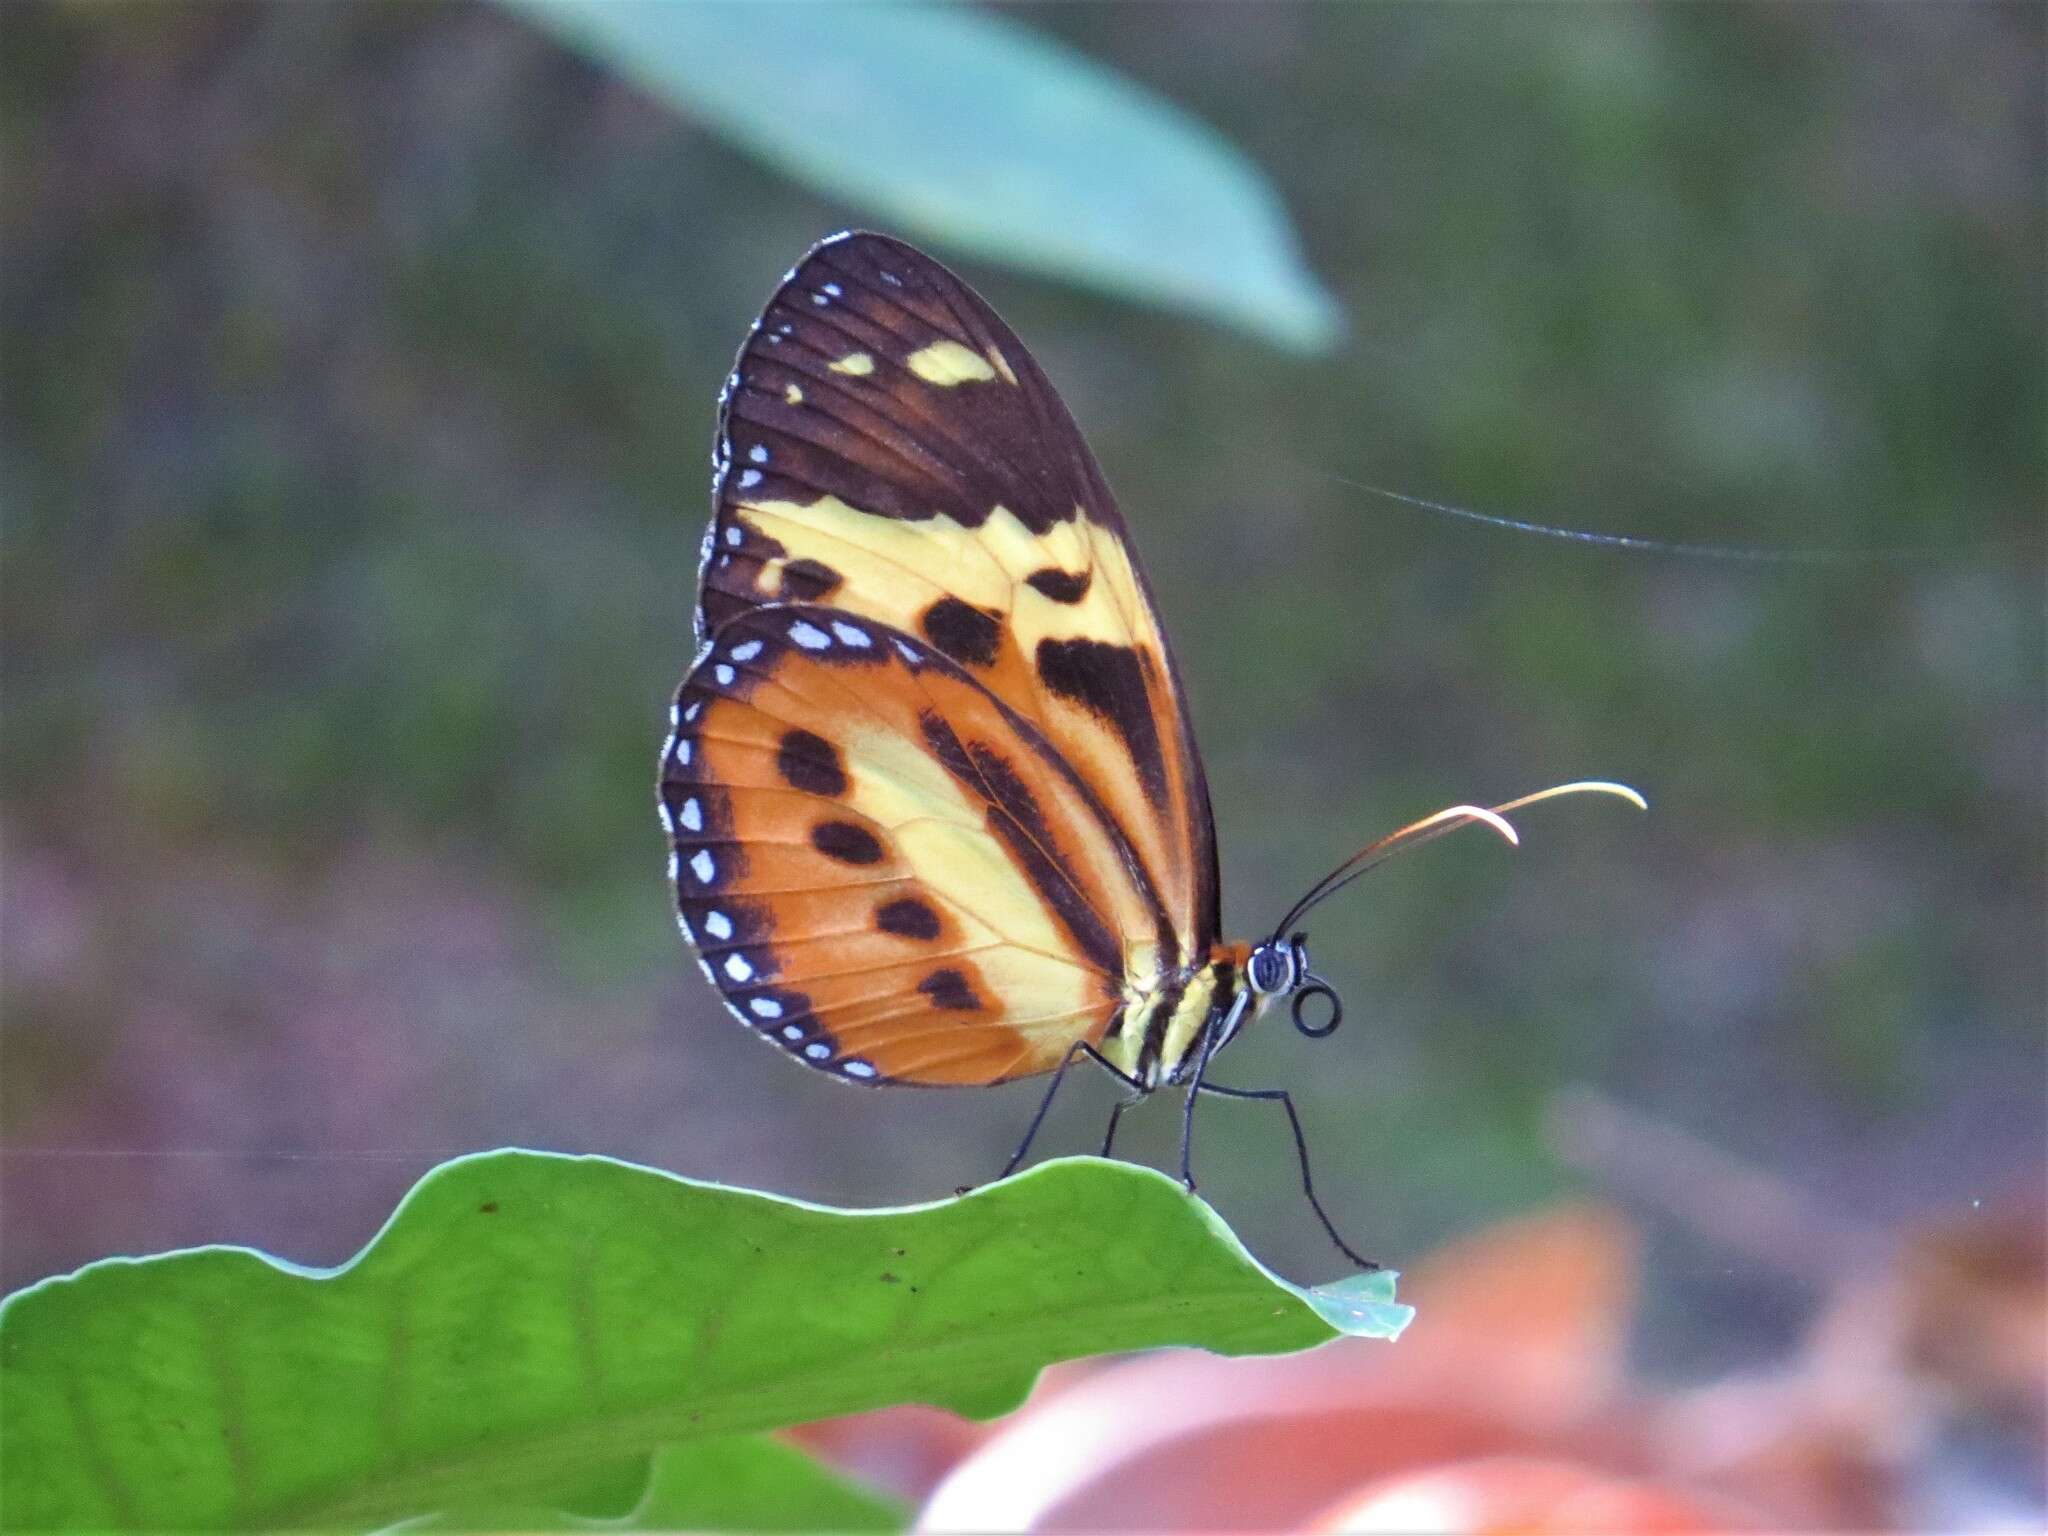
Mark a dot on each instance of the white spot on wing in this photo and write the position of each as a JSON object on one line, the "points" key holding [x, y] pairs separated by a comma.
{"points": [[817, 1050], [694, 710], [693, 815], [792, 1031], [683, 750], [702, 867], [854, 1066], [758, 454], [809, 636], [735, 535], [737, 968], [765, 1008], [749, 479], [909, 652], [833, 289], [724, 674], [718, 925], [746, 650], [851, 635]]}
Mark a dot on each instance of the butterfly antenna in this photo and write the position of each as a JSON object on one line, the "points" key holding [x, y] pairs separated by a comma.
{"points": [[1431, 827]]}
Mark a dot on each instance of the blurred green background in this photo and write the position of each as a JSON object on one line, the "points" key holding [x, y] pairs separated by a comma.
{"points": [[359, 369]]}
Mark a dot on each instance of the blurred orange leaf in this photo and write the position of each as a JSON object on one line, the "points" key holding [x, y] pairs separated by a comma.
{"points": [[1518, 1496], [1518, 1347]]}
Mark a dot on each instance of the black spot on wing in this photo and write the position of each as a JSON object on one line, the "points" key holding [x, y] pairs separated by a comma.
{"points": [[1109, 681], [1061, 586], [908, 917], [847, 843], [949, 989], [962, 631], [807, 580], [809, 762]]}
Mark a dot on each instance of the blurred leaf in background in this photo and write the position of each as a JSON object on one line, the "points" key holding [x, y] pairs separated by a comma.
{"points": [[973, 131], [1512, 1406]]}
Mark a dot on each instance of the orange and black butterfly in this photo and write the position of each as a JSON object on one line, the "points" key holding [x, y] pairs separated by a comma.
{"points": [[936, 810]]}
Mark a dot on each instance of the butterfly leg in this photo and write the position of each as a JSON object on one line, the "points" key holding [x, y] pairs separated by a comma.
{"points": [[1301, 1152], [1187, 1113], [1116, 1113], [1077, 1049]]}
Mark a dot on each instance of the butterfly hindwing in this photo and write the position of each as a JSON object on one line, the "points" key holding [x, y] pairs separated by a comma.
{"points": [[888, 447], [884, 868]]}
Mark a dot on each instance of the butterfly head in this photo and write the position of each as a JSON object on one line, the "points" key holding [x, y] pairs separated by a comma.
{"points": [[1279, 968]]}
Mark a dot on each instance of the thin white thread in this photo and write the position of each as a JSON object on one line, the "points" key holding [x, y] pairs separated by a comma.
{"points": [[1751, 553]]}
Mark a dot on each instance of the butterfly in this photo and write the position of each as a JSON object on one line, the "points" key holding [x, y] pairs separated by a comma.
{"points": [[934, 804]]}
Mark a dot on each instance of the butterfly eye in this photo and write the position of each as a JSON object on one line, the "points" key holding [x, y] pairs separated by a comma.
{"points": [[1269, 970]]}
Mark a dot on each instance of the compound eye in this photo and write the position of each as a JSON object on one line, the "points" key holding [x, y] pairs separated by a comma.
{"points": [[1268, 970]]}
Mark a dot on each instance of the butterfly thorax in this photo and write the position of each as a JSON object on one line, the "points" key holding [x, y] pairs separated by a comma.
{"points": [[1157, 1037]]}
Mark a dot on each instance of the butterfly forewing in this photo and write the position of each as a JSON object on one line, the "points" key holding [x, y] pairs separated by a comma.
{"points": [[888, 447], [885, 869]]}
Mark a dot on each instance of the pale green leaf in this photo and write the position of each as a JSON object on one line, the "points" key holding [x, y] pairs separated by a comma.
{"points": [[950, 125]]}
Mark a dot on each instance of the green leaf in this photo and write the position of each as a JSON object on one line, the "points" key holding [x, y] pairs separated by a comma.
{"points": [[749, 1483], [964, 128], [526, 1319], [738, 1483]]}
